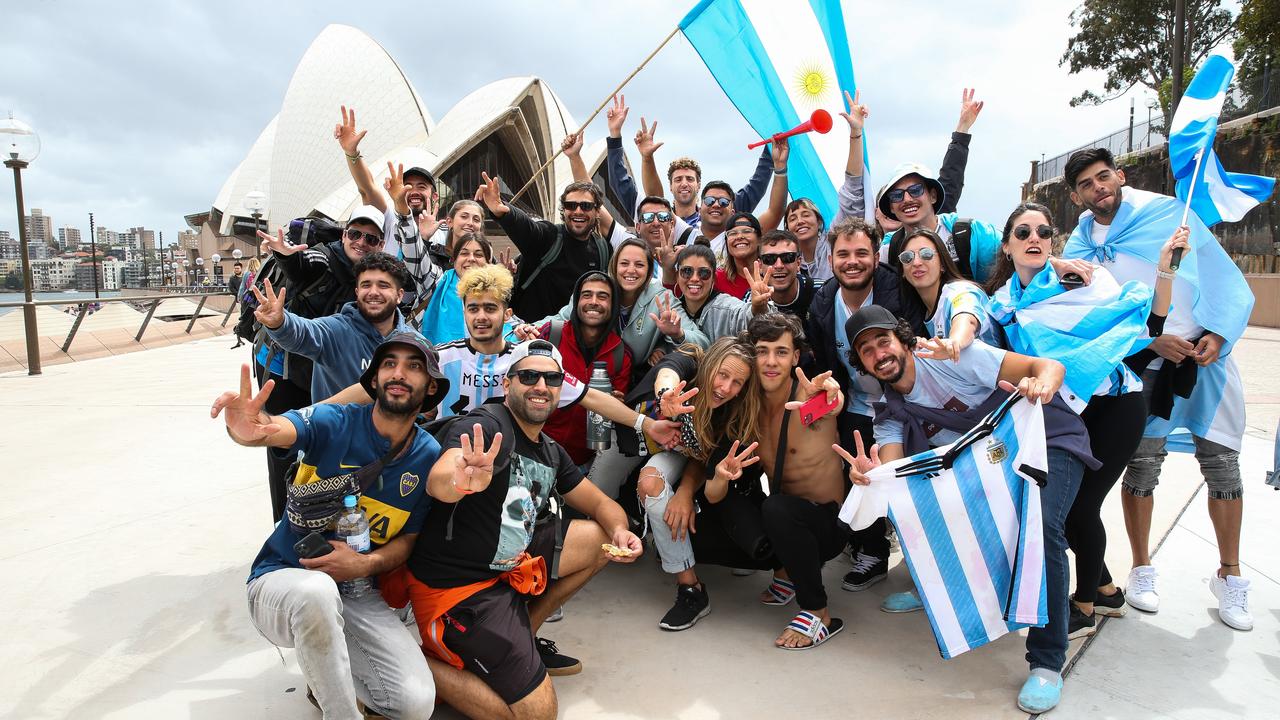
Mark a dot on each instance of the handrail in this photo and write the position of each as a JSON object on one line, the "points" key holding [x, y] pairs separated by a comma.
{"points": [[152, 300]]}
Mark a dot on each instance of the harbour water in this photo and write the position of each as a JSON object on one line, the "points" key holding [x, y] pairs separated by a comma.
{"points": [[68, 295]]}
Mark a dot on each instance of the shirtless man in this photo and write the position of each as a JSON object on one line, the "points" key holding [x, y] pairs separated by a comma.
{"points": [[807, 487]]}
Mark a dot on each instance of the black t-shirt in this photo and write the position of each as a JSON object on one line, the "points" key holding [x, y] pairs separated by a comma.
{"points": [[491, 528], [683, 365]]}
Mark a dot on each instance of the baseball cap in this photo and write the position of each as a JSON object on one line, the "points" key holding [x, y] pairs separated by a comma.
{"points": [[871, 317], [419, 343], [369, 214], [903, 170], [536, 348], [420, 171], [744, 218]]}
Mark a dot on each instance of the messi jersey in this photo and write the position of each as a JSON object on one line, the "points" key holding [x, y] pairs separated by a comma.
{"points": [[476, 378], [972, 534]]}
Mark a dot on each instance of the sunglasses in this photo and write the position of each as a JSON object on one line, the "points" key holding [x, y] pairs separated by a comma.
{"points": [[915, 190], [369, 239], [723, 202], [906, 256], [786, 257], [553, 378], [1022, 232], [661, 216], [704, 273], [575, 205]]}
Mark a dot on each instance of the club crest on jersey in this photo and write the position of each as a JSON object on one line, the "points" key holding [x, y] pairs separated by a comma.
{"points": [[408, 483], [996, 452]]}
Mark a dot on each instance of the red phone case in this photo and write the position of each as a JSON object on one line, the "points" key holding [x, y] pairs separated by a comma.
{"points": [[815, 407]]}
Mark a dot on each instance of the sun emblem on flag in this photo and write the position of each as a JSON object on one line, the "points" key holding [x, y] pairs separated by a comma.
{"points": [[813, 82]]}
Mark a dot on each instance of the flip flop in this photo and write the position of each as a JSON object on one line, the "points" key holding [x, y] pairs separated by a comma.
{"points": [[812, 627], [781, 592]]}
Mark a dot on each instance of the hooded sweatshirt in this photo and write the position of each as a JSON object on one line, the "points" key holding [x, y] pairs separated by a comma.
{"points": [[339, 345], [568, 426]]}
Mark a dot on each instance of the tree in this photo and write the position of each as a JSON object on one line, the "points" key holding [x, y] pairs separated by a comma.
{"points": [[1256, 49], [1131, 41], [13, 281]]}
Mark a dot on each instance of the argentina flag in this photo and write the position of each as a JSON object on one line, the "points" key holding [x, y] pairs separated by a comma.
{"points": [[778, 61], [972, 535], [1218, 195]]}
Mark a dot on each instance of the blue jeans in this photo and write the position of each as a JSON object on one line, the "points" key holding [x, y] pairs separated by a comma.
{"points": [[1047, 646]]}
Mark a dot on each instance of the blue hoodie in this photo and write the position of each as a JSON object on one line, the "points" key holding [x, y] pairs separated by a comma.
{"points": [[340, 345]]}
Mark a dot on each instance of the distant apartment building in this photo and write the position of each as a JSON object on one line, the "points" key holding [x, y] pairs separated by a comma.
{"points": [[10, 249], [140, 238], [4, 235], [39, 227], [54, 274], [68, 238], [109, 273], [188, 240], [107, 237]]}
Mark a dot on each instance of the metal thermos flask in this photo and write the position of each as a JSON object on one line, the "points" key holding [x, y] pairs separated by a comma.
{"points": [[598, 428]]}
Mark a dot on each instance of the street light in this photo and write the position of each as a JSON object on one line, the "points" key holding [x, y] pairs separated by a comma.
{"points": [[256, 201], [21, 145], [186, 272], [215, 267], [199, 269]]}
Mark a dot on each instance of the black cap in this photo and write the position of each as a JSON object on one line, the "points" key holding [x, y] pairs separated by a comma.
{"points": [[419, 343], [419, 171], [868, 318], [744, 218]]}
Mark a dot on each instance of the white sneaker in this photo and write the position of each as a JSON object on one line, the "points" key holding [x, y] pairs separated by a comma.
{"points": [[1141, 592], [1233, 600]]}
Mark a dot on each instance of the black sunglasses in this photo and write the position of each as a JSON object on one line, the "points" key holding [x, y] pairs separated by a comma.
{"points": [[704, 273], [915, 190], [723, 202], [1022, 232], [574, 205], [369, 239], [661, 216], [553, 378], [786, 257]]}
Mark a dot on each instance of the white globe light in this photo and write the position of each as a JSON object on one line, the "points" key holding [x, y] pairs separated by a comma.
{"points": [[255, 201], [217, 258], [18, 141], [200, 261], [237, 253]]}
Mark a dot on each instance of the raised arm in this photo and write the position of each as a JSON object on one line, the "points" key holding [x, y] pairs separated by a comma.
{"points": [[1033, 377], [645, 143], [620, 180], [464, 470], [531, 237], [349, 138], [746, 199], [951, 174], [856, 117], [780, 151], [247, 423], [663, 432]]}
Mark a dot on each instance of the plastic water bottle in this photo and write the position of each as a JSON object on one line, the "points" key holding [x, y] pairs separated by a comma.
{"points": [[353, 527], [598, 428]]}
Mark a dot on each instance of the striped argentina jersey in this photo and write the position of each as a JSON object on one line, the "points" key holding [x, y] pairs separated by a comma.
{"points": [[972, 534], [476, 378]]}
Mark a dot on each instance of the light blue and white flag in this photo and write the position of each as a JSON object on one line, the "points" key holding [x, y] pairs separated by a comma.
{"points": [[1216, 195], [972, 535], [778, 61], [1090, 330]]}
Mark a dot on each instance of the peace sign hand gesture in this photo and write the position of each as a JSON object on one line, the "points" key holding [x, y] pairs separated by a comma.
{"points": [[395, 187], [860, 464], [278, 244], [969, 110], [270, 310], [346, 134], [504, 259], [489, 194], [822, 383], [665, 253], [730, 468], [644, 139], [938, 349], [675, 403], [761, 291], [429, 220], [473, 469], [246, 422], [667, 319], [857, 114]]}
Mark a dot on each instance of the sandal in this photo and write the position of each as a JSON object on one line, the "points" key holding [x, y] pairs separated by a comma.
{"points": [[781, 592], [812, 627]]}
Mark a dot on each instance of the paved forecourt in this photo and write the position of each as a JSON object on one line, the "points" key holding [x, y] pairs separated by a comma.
{"points": [[126, 559]]}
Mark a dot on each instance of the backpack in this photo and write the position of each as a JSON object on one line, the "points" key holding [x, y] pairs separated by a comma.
{"points": [[557, 331], [553, 253], [961, 234], [315, 233]]}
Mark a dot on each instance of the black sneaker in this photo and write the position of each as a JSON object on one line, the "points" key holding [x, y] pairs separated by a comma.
{"points": [[556, 662], [692, 604], [1110, 605], [1078, 624], [867, 571]]}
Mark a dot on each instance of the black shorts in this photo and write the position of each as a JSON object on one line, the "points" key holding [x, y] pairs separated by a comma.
{"points": [[490, 631]]}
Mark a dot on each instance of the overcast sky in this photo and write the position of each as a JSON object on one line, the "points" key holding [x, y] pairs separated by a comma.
{"points": [[144, 108]]}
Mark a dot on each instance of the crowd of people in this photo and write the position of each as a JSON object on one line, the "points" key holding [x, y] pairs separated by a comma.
{"points": [[448, 387]]}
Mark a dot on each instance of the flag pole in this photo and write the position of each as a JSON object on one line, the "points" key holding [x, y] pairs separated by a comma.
{"points": [[1176, 260], [616, 90]]}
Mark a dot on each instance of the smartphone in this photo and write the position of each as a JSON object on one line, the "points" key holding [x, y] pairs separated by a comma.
{"points": [[312, 546], [815, 407], [1071, 281]]}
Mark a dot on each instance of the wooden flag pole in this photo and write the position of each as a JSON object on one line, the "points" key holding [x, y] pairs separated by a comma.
{"points": [[1176, 259], [537, 173]]}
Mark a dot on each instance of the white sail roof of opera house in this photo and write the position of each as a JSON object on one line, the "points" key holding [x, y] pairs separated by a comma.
{"points": [[515, 122]]}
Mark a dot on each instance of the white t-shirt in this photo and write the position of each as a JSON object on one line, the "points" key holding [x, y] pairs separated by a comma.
{"points": [[959, 297], [956, 386], [475, 378]]}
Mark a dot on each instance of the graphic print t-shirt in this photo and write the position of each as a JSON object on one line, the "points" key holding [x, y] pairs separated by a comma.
{"points": [[483, 535]]}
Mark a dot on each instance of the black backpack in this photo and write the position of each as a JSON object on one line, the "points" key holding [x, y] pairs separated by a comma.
{"points": [[315, 233]]}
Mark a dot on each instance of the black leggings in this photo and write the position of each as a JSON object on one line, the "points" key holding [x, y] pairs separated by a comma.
{"points": [[804, 535], [1115, 425]]}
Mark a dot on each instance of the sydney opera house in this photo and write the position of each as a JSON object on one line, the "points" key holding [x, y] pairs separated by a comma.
{"points": [[295, 168]]}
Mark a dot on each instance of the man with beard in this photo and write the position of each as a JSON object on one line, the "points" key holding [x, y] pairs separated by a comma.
{"points": [[859, 281], [807, 480], [793, 288], [494, 560], [590, 335], [349, 648], [555, 256], [340, 345]]}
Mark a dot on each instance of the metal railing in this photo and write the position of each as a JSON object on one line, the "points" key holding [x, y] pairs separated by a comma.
{"points": [[152, 302]]}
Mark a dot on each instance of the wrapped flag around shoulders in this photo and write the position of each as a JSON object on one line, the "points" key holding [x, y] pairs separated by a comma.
{"points": [[972, 535], [778, 61], [1215, 194]]}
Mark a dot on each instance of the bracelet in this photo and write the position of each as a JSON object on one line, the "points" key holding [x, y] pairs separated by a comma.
{"points": [[354, 158], [1164, 275], [855, 137], [638, 425], [783, 171]]}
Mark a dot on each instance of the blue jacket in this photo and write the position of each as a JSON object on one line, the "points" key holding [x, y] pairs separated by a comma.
{"points": [[624, 186], [340, 345]]}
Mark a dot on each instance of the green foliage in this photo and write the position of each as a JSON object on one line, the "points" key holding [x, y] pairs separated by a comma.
{"points": [[13, 281], [1257, 47], [1131, 40]]}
